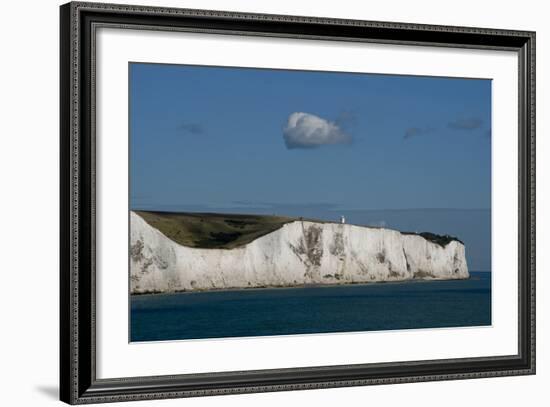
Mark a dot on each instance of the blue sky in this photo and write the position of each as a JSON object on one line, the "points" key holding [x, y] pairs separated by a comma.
{"points": [[318, 143]]}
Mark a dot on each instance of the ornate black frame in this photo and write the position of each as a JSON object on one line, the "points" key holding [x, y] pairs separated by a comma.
{"points": [[78, 382]]}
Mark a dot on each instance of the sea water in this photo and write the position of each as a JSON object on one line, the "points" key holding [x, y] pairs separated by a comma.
{"points": [[306, 310]]}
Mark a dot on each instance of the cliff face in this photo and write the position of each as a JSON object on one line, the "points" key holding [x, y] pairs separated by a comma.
{"points": [[298, 253]]}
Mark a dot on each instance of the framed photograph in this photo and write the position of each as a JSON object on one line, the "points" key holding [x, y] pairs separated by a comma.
{"points": [[254, 203]]}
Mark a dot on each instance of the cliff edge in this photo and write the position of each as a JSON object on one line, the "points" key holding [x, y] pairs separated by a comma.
{"points": [[298, 253]]}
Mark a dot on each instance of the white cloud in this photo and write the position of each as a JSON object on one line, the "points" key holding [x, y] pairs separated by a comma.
{"points": [[305, 130]]}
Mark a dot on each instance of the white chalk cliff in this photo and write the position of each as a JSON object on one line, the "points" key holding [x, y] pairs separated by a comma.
{"points": [[299, 253]]}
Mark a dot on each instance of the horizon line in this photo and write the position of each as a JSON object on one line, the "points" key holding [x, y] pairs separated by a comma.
{"points": [[210, 208]]}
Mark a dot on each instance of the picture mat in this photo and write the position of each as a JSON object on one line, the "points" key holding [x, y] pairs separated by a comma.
{"points": [[117, 358]]}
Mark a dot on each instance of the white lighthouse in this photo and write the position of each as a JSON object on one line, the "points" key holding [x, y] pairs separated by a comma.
{"points": [[342, 219]]}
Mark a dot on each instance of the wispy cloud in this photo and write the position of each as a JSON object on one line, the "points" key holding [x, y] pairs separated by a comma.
{"points": [[278, 205], [378, 223], [192, 128], [468, 123], [460, 124], [306, 130], [346, 118], [417, 132]]}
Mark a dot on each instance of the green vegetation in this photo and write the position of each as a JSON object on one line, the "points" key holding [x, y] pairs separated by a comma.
{"points": [[213, 230], [442, 240], [227, 231]]}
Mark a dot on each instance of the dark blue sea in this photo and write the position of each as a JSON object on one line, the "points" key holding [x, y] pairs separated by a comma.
{"points": [[305, 310]]}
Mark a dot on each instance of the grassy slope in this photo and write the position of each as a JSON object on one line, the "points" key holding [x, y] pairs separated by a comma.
{"points": [[227, 231], [211, 230]]}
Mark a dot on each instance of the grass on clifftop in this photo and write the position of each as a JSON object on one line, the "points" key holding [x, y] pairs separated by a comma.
{"points": [[442, 240], [228, 231], [212, 230]]}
